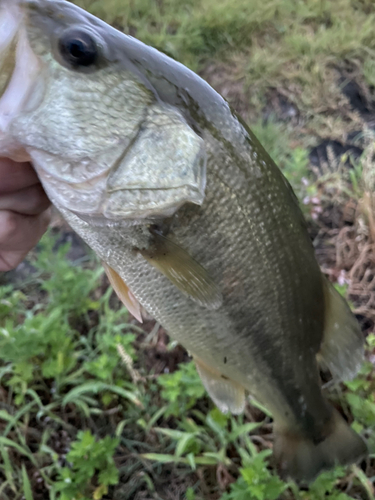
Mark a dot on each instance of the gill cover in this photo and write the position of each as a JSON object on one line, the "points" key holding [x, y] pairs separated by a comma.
{"points": [[164, 167]]}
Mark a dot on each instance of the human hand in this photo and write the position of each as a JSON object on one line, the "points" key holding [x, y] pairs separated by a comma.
{"points": [[24, 213]]}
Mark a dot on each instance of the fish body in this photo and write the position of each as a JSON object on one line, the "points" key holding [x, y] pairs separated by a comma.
{"points": [[189, 214]]}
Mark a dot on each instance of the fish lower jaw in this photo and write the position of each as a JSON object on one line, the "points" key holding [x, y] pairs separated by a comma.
{"points": [[12, 150]]}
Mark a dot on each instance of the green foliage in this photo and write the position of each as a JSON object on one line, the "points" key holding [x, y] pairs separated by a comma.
{"points": [[256, 482], [40, 347], [67, 286], [209, 25], [295, 46], [361, 397], [26, 485], [181, 389], [60, 368], [53, 371], [276, 139], [360, 394], [56, 354], [104, 366], [188, 31], [324, 486], [92, 468], [369, 72], [11, 302]]}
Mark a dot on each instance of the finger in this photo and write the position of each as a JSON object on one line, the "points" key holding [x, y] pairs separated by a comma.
{"points": [[18, 235], [29, 201], [15, 176], [10, 260]]}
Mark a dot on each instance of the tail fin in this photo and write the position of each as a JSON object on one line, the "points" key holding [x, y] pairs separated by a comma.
{"points": [[302, 459]]}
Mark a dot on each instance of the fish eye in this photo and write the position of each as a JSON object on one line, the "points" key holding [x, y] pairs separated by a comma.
{"points": [[78, 48]]}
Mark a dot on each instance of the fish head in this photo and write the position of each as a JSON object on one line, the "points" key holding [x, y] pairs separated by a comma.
{"points": [[102, 141]]}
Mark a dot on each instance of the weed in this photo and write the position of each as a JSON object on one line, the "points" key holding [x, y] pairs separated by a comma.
{"points": [[91, 471], [49, 366], [256, 482], [276, 139], [181, 389], [301, 48], [68, 286], [63, 336]]}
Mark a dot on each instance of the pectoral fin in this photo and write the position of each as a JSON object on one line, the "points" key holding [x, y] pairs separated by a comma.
{"points": [[183, 271], [227, 395], [123, 292], [342, 349]]}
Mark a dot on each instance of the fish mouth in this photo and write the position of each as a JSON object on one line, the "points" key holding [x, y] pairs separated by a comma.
{"points": [[10, 20], [8, 43], [19, 68]]}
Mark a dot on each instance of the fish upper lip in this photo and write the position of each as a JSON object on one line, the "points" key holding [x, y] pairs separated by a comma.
{"points": [[9, 25], [25, 71], [10, 18]]}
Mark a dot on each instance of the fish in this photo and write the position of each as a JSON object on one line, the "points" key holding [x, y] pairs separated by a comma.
{"points": [[192, 219]]}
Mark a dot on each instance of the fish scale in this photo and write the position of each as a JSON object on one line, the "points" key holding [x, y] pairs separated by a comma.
{"points": [[246, 258]]}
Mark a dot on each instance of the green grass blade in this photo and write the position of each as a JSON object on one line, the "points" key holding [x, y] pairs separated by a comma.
{"points": [[12, 444], [26, 484], [7, 467], [95, 388]]}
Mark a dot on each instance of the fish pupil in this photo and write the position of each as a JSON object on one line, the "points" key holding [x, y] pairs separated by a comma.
{"points": [[79, 49]]}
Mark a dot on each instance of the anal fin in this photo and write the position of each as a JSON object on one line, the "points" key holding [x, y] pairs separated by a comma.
{"points": [[123, 292], [342, 348], [183, 271], [228, 396]]}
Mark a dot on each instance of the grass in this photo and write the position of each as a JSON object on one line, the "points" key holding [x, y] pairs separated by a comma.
{"points": [[90, 406], [300, 48], [82, 417]]}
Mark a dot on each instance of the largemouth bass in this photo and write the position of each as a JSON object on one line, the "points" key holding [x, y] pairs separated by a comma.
{"points": [[190, 216]]}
